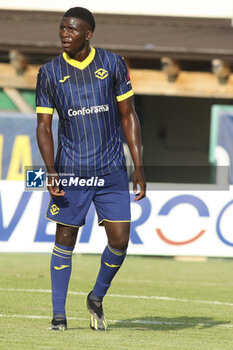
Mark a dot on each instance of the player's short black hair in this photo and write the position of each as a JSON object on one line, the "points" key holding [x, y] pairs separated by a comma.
{"points": [[83, 14]]}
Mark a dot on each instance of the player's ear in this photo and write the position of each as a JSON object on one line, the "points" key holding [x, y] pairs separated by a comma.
{"points": [[89, 34]]}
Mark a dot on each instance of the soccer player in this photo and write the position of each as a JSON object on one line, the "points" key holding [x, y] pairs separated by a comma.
{"points": [[90, 88]]}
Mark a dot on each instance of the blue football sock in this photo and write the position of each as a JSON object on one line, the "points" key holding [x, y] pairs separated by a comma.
{"points": [[61, 263], [111, 261]]}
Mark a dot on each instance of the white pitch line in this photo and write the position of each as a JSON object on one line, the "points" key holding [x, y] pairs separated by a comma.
{"points": [[143, 297], [145, 322], [193, 283], [39, 317]]}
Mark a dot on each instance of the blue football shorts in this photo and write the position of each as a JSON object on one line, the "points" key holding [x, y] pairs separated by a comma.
{"points": [[109, 193]]}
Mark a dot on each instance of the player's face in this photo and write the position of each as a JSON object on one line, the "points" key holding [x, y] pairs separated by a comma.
{"points": [[74, 34]]}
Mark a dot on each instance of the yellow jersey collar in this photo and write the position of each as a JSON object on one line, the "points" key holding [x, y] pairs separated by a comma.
{"points": [[80, 65]]}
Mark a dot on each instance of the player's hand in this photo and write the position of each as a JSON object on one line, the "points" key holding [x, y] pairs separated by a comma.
{"points": [[138, 178], [53, 187]]}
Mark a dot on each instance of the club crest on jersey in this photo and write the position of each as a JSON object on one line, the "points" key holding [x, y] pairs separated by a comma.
{"points": [[101, 73], [54, 209]]}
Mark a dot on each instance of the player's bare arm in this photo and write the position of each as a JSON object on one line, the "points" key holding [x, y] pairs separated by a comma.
{"points": [[45, 142], [131, 128]]}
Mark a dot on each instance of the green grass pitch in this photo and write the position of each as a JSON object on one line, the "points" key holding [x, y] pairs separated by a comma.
{"points": [[153, 303]]}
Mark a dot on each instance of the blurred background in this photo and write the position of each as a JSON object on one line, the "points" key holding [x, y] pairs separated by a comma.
{"points": [[180, 58]]}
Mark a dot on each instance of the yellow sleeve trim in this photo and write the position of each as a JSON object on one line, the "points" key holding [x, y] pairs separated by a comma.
{"points": [[44, 110], [124, 96]]}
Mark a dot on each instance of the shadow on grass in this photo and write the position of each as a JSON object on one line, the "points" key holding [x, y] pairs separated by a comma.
{"points": [[167, 324], [76, 328]]}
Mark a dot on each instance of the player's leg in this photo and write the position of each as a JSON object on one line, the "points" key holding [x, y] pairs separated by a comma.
{"points": [[61, 264], [113, 207], [113, 255], [111, 261], [69, 212]]}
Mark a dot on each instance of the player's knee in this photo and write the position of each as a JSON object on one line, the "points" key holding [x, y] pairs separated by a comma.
{"points": [[120, 243], [66, 235], [67, 239]]}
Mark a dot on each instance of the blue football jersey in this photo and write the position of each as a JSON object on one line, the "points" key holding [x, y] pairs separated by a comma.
{"points": [[86, 95]]}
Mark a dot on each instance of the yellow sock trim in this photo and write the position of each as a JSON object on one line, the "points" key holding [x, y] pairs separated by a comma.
{"points": [[115, 251], [67, 252], [64, 257]]}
